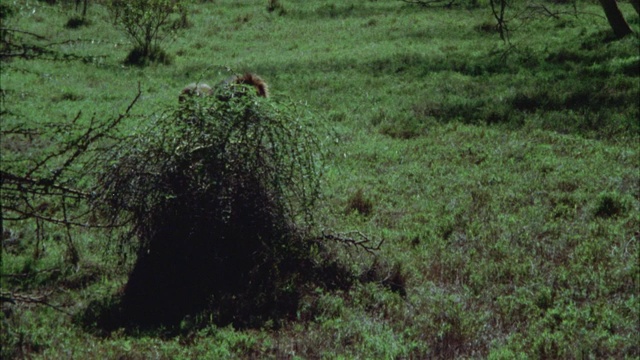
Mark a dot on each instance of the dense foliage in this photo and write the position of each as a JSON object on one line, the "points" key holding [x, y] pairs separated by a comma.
{"points": [[220, 194]]}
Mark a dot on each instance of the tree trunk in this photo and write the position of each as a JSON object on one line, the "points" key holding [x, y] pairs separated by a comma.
{"points": [[616, 20], [636, 5]]}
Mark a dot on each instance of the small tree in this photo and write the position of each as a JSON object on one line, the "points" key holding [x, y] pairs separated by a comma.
{"points": [[614, 16], [146, 22]]}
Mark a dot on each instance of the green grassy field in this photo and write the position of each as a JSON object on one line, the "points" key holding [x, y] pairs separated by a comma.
{"points": [[503, 178]]}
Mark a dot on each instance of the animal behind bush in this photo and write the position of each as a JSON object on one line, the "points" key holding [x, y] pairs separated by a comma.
{"points": [[232, 87], [250, 79], [195, 89]]}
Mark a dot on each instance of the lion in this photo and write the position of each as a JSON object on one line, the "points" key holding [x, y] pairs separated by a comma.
{"points": [[195, 89], [231, 87]]}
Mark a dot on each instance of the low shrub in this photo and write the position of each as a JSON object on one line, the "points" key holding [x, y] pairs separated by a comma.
{"points": [[138, 56]]}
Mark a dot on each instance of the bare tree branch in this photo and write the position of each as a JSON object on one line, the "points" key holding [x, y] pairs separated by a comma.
{"points": [[30, 193], [353, 238], [40, 299]]}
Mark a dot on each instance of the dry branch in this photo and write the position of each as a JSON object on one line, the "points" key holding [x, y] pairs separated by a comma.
{"points": [[26, 299], [44, 190], [354, 239], [432, 3]]}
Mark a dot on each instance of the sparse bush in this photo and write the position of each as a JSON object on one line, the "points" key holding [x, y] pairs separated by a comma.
{"points": [[80, 18], [147, 22], [390, 277]]}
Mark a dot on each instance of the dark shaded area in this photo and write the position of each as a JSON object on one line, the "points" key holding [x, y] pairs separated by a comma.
{"points": [[610, 205], [589, 89], [76, 22], [586, 87], [139, 56], [325, 12], [360, 203], [206, 252]]}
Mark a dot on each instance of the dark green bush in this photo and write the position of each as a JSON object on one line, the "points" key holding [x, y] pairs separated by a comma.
{"points": [[219, 195]]}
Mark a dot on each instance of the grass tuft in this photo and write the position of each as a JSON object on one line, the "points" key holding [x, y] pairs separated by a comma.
{"points": [[76, 22], [141, 57], [610, 205], [359, 203]]}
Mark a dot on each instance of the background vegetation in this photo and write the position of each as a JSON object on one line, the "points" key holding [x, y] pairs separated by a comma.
{"points": [[503, 176]]}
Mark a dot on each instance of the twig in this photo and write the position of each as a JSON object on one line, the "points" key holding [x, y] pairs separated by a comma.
{"points": [[25, 180], [347, 239], [448, 4], [543, 9], [16, 298], [24, 32], [33, 214], [20, 189], [21, 275]]}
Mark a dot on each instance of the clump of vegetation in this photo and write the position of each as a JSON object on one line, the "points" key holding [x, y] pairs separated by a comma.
{"points": [[220, 196], [76, 21], [6, 11], [276, 6], [139, 56], [609, 205], [392, 277], [359, 203]]}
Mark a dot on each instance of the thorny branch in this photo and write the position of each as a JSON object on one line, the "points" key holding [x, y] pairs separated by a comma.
{"points": [[360, 240], [42, 299], [12, 45], [29, 193]]}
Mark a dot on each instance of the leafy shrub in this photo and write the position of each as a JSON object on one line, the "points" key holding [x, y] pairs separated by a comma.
{"points": [[275, 5], [220, 196], [147, 22]]}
